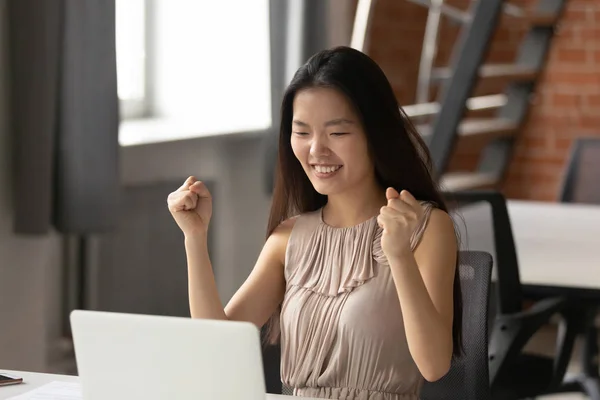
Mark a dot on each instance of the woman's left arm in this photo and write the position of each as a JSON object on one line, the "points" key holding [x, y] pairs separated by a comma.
{"points": [[424, 281]]}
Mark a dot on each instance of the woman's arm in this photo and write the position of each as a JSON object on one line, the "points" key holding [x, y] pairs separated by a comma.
{"points": [[424, 283], [256, 299]]}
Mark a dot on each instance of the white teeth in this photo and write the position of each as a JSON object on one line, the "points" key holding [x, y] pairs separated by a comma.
{"points": [[326, 170]]}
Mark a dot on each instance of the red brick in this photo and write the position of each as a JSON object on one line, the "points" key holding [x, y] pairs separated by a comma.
{"points": [[590, 121], [565, 100], [562, 143], [593, 101], [589, 34], [541, 159], [534, 142], [573, 15], [575, 77], [576, 56], [569, 33]]}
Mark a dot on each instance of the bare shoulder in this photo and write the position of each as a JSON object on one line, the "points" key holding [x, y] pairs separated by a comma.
{"points": [[439, 244], [285, 228], [278, 240], [440, 233], [440, 221]]}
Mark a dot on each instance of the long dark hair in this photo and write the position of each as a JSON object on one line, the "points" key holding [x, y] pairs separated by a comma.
{"points": [[401, 157]]}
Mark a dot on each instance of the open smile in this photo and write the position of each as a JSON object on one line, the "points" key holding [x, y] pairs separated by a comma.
{"points": [[325, 171]]}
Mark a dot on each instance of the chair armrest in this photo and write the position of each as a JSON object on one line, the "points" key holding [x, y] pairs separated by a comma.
{"points": [[533, 318], [540, 312]]}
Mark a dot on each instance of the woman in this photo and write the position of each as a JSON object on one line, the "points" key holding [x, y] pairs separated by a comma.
{"points": [[358, 272]]}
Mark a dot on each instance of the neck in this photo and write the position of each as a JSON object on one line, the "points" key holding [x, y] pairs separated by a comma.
{"points": [[354, 206]]}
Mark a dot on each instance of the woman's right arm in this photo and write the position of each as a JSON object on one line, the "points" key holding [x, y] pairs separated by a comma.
{"points": [[202, 288], [263, 291], [259, 296]]}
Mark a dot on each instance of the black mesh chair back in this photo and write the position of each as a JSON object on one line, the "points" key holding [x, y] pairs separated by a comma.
{"points": [[468, 378], [581, 183]]}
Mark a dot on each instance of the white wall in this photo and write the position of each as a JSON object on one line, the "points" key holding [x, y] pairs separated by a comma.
{"points": [[240, 204]]}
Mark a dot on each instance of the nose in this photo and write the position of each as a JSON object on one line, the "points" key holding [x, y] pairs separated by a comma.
{"points": [[319, 146]]}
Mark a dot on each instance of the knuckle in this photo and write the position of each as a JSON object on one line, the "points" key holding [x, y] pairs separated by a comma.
{"points": [[172, 197]]}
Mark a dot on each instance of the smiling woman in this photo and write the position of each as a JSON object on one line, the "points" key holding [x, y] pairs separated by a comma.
{"points": [[357, 278], [329, 141]]}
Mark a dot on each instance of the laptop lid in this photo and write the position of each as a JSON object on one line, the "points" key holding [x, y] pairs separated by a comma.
{"points": [[130, 356]]}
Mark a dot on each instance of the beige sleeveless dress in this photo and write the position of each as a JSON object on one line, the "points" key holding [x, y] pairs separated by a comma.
{"points": [[342, 333]]}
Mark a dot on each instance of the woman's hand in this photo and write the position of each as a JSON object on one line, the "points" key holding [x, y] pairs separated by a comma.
{"points": [[191, 207], [398, 219]]}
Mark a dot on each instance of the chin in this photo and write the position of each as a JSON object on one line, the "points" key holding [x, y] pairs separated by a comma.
{"points": [[325, 189]]}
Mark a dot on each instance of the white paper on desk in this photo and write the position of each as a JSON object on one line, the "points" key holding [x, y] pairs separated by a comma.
{"points": [[53, 391]]}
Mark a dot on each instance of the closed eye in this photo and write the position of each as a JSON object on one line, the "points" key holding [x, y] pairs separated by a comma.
{"points": [[340, 133], [300, 133]]}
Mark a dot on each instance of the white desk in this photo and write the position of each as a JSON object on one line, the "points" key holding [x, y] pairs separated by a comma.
{"points": [[33, 380], [558, 244]]}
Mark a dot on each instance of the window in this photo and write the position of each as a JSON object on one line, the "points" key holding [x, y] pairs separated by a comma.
{"points": [[192, 68], [131, 56]]}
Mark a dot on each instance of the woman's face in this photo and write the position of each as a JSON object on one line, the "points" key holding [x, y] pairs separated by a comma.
{"points": [[330, 142]]}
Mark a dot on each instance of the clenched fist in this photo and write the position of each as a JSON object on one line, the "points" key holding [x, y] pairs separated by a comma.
{"points": [[399, 219], [191, 207]]}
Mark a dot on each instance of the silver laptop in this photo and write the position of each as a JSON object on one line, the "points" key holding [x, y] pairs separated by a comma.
{"points": [[129, 356]]}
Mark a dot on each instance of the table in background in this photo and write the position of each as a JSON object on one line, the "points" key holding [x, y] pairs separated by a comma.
{"points": [[558, 244], [558, 250]]}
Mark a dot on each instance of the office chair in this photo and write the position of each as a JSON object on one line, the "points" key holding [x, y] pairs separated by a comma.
{"points": [[580, 182], [515, 374], [581, 185], [271, 356], [468, 378]]}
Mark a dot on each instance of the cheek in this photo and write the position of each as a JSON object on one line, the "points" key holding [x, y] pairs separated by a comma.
{"points": [[359, 160], [298, 150]]}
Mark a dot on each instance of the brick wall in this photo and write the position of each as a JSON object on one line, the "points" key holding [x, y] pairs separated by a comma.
{"points": [[567, 104]]}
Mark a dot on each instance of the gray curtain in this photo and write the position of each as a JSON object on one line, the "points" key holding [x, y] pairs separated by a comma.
{"points": [[64, 115]]}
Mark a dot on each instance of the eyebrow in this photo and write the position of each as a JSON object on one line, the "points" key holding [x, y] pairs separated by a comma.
{"points": [[333, 122]]}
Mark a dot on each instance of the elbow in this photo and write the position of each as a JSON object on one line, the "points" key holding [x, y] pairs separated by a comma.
{"points": [[436, 371]]}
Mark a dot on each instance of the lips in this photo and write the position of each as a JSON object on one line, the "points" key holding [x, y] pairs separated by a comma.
{"points": [[325, 171]]}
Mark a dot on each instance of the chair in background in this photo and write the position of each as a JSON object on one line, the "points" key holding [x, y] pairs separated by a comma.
{"points": [[581, 183], [468, 378], [271, 356], [515, 374]]}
